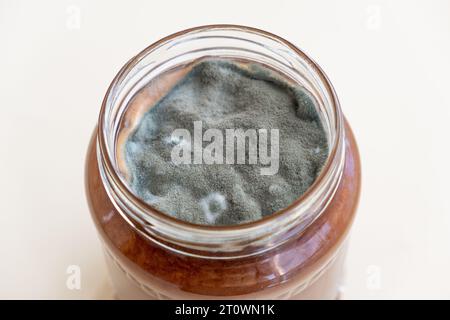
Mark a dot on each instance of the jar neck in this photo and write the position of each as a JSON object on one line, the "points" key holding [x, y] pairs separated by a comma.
{"points": [[216, 242]]}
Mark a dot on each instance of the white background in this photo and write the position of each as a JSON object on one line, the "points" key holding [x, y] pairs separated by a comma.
{"points": [[389, 62]]}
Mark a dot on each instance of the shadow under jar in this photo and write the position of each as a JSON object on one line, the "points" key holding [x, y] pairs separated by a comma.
{"points": [[295, 253]]}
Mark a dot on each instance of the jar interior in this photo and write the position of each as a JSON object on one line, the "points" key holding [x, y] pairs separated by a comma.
{"points": [[236, 43]]}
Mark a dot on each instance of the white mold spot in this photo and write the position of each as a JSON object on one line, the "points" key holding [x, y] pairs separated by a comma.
{"points": [[213, 205]]}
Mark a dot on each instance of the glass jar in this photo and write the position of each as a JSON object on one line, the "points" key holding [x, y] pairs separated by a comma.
{"points": [[295, 253]]}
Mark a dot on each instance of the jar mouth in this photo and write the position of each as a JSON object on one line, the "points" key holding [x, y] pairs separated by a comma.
{"points": [[190, 238]]}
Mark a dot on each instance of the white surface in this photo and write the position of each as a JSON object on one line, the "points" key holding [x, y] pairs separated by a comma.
{"points": [[388, 61]]}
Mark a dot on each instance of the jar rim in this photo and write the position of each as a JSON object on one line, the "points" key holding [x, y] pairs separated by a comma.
{"points": [[117, 188]]}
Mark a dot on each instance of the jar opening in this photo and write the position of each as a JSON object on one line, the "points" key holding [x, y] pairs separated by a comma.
{"points": [[235, 42]]}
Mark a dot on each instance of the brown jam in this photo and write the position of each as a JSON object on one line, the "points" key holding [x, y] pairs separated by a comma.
{"points": [[306, 265], [274, 274]]}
